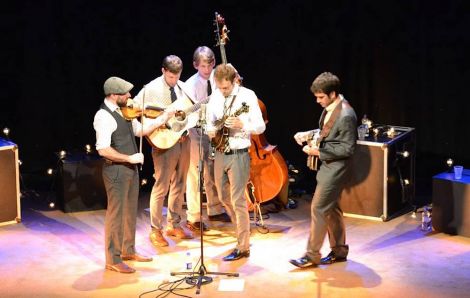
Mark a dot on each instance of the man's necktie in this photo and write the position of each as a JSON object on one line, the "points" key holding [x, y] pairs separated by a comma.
{"points": [[172, 94], [209, 89]]}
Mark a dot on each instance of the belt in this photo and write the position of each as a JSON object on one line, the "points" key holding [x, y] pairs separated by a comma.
{"points": [[115, 163], [235, 151]]}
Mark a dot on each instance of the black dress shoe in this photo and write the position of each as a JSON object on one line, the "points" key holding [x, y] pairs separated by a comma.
{"points": [[223, 217], [332, 258], [302, 262], [196, 226], [237, 254]]}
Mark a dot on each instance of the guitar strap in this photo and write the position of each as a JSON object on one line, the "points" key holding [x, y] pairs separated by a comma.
{"points": [[313, 160], [227, 110]]}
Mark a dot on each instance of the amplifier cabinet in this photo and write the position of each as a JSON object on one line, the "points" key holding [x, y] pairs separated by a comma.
{"points": [[381, 182], [10, 211], [80, 184]]}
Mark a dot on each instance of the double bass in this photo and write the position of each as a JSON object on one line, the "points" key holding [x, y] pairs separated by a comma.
{"points": [[268, 169]]}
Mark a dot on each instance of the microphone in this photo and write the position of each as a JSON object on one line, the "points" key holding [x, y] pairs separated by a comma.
{"points": [[202, 114]]}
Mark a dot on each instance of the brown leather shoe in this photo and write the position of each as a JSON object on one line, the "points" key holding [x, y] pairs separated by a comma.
{"points": [[196, 226], [178, 233], [120, 267], [136, 257], [157, 238]]}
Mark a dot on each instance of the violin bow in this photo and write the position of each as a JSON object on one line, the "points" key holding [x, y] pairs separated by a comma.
{"points": [[142, 123]]}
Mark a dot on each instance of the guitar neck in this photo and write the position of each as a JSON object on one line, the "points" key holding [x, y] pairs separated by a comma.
{"points": [[196, 106]]}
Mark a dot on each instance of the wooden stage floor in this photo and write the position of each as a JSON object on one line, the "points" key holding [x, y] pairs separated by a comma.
{"points": [[56, 254]]}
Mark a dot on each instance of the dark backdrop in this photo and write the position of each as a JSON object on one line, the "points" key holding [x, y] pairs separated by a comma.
{"points": [[401, 62]]}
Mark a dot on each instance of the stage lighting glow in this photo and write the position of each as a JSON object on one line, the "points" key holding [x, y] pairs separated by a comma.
{"points": [[450, 162], [87, 148], [404, 153], [6, 131], [51, 205], [143, 182], [406, 181], [50, 171], [20, 162], [62, 153], [391, 132]]}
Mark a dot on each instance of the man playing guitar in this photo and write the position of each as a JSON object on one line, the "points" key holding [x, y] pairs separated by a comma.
{"points": [[170, 164]]}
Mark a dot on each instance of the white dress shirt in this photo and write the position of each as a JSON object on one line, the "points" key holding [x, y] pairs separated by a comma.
{"points": [[197, 86], [252, 120], [329, 109], [105, 125]]}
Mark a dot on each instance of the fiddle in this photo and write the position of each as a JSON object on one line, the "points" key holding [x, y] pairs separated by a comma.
{"points": [[131, 111]]}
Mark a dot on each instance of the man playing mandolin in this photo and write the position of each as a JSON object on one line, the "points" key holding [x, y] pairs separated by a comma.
{"points": [[234, 109]]}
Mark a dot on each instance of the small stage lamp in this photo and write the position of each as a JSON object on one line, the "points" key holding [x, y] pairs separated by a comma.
{"points": [[6, 131], [450, 164], [88, 148], [404, 153], [62, 154]]}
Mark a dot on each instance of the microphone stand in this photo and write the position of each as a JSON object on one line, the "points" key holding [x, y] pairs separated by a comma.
{"points": [[200, 276]]}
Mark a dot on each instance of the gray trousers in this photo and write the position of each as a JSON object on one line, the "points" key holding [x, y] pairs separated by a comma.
{"points": [[214, 205], [234, 170], [171, 169], [327, 217], [122, 189]]}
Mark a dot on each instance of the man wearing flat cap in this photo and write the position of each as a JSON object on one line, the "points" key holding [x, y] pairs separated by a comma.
{"points": [[115, 142]]}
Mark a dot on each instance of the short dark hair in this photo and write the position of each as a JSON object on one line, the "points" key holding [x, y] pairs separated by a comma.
{"points": [[172, 64], [326, 82]]}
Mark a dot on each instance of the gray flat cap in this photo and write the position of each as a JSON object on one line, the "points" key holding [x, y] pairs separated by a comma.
{"points": [[115, 85]]}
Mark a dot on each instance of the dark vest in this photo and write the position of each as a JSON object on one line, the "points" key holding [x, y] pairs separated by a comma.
{"points": [[122, 139]]}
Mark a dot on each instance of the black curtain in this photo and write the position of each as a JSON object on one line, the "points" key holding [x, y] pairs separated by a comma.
{"points": [[401, 62]]}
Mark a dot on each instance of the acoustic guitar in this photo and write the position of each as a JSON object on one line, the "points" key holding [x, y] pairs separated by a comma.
{"points": [[313, 162], [169, 134]]}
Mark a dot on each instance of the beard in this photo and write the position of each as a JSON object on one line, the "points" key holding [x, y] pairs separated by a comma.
{"points": [[121, 101]]}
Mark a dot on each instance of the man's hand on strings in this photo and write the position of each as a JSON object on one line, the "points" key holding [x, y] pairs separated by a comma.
{"points": [[311, 150], [301, 137], [233, 122]]}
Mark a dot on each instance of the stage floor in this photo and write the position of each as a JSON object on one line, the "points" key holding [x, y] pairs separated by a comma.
{"points": [[56, 254]]}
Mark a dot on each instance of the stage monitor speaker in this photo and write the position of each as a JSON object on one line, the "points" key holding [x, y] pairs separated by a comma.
{"points": [[80, 184], [381, 185], [10, 211]]}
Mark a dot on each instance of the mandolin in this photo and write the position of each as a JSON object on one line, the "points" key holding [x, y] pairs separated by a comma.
{"points": [[220, 141]]}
